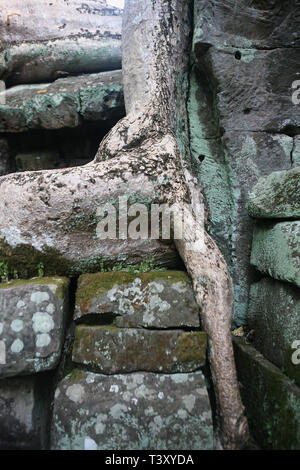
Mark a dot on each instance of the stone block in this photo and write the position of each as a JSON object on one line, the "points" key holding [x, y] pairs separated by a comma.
{"points": [[139, 411], [272, 401], [155, 299], [276, 250], [32, 321], [274, 314], [111, 350]]}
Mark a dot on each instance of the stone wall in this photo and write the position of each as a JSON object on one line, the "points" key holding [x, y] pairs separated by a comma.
{"points": [[243, 122], [131, 377], [269, 366]]}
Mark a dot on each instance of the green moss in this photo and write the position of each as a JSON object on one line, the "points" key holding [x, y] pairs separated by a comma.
{"points": [[75, 376], [25, 260], [192, 347], [94, 285], [61, 283]]}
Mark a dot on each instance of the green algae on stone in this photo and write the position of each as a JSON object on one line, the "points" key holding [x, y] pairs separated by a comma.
{"points": [[276, 196], [191, 346], [276, 250]]}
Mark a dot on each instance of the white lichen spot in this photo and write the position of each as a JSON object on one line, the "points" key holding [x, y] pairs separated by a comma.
{"points": [[182, 414], [189, 402], [1, 328], [43, 340], [50, 309], [156, 288], [126, 396], [17, 346], [90, 444], [52, 287], [100, 423], [42, 322], [142, 392], [39, 297], [90, 379], [20, 304], [156, 424], [179, 378], [114, 388], [179, 287], [57, 393], [118, 410], [75, 393], [17, 325], [149, 411], [100, 428], [160, 395]]}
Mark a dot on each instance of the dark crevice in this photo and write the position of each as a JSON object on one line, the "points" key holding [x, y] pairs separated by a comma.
{"points": [[65, 363], [95, 370]]}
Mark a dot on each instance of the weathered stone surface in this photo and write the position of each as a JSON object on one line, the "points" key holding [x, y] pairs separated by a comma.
{"points": [[32, 323], [276, 250], [4, 157], [66, 102], [110, 350], [72, 37], [242, 122], [261, 101], [140, 411], [24, 413], [277, 196], [272, 401], [230, 166], [259, 24], [155, 299], [274, 313]]}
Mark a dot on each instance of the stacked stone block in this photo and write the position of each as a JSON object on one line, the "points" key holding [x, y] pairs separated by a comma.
{"points": [[138, 354], [32, 327], [274, 313]]}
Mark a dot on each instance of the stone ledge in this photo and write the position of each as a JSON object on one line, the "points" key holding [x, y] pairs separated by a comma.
{"points": [[66, 102]]}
